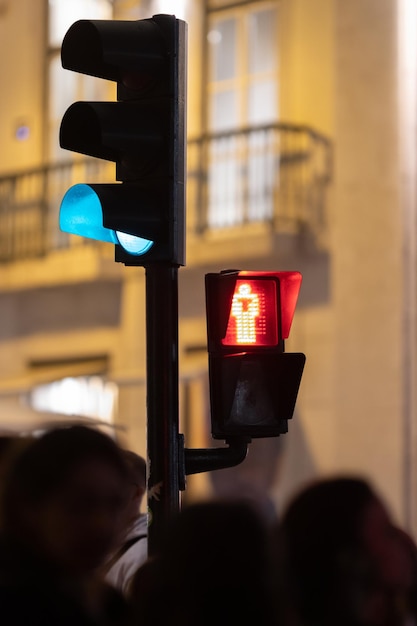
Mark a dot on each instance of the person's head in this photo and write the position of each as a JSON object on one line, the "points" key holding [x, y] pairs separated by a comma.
{"points": [[207, 533], [406, 567], [218, 551], [335, 542], [64, 495], [10, 447]]}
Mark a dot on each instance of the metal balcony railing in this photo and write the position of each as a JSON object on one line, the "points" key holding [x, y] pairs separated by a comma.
{"points": [[276, 174]]}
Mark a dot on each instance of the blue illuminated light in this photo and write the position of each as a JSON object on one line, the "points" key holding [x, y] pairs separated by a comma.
{"points": [[81, 214], [134, 245]]}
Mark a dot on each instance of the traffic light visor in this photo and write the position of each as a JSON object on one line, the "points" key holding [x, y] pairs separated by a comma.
{"points": [[253, 314], [249, 310], [81, 213], [288, 286]]}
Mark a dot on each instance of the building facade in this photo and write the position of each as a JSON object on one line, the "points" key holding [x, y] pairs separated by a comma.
{"points": [[301, 156]]}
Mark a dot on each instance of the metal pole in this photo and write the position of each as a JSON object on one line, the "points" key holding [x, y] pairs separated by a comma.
{"points": [[162, 398]]}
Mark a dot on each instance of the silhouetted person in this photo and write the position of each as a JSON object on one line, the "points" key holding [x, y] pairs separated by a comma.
{"points": [[406, 596], [61, 507], [212, 569], [338, 557], [132, 548], [10, 446]]}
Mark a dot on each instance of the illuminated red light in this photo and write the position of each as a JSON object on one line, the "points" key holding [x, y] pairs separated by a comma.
{"points": [[253, 318]]}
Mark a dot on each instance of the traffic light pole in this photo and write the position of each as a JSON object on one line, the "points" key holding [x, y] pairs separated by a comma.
{"points": [[162, 398], [143, 214]]}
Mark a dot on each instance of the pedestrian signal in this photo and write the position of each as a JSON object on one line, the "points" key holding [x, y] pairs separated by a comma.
{"points": [[253, 382]]}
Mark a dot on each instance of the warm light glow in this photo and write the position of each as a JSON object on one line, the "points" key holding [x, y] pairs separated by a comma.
{"points": [[253, 316], [82, 396], [214, 37], [245, 308]]}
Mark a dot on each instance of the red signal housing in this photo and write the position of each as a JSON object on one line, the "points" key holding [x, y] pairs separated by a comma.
{"points": [[253, 382], [250, 309]]}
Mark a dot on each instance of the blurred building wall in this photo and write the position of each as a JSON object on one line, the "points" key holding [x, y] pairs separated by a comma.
{"points": [[339, 70]]}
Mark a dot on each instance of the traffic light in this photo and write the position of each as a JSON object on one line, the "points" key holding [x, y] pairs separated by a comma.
{"points": [[253, 382], [143, 133]]}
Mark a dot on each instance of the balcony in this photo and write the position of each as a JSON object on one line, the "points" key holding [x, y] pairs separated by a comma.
{"points": [[276, 175]]}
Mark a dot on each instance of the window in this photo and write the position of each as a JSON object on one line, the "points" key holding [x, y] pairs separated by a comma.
{"points": [[243, 60], [242, 106], [77, 396], [65, 87], [171, 7]]}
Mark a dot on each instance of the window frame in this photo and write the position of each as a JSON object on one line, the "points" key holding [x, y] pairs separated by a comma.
{"points": [[241, 12], [52, 53]]}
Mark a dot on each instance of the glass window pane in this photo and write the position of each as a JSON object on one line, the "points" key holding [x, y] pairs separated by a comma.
{"points": [[62, 13], [171, 7], [262, 102], [224, 111], [92, 88], [261, 44], [63, 86], [223, 48], [225, 183], [66, 87], [262, 175]]}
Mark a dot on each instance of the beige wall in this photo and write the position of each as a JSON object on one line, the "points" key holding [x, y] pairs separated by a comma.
{"points": [[22, 75], [307, 63], [350, 409], [339, 75], [367, 248]]}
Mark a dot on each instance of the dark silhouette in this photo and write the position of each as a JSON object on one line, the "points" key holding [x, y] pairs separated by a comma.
{"points": [[406, 568], [10, 446], [338, 557], [132, 547], [213, 568], [61, 505]]}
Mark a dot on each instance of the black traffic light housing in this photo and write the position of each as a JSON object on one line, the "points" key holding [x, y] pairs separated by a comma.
{"points": [[253, 382], [144, 133]]}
